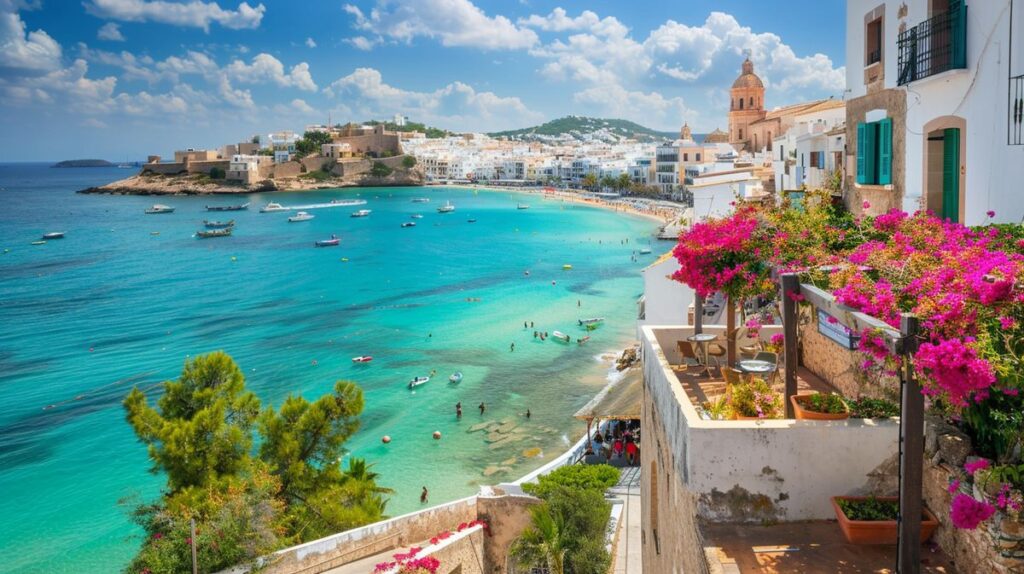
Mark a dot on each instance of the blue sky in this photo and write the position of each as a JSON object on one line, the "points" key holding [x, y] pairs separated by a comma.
{"points": [[125, 78]]}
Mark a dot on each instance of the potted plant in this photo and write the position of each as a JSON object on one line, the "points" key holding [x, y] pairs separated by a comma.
{"points": [[868, 408], [872, 520], [820, 407], [754, 400]]}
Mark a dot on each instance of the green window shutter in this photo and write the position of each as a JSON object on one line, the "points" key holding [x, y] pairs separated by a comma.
{"points": [[885, 152], [862, 142], [951, 174]]}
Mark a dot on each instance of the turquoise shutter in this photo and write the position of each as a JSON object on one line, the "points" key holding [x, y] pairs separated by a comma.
{"points": [[862, 142], [885, 151], [951, 174]]}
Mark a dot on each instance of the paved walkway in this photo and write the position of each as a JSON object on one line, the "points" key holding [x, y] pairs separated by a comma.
{"points": [[628, 554]]}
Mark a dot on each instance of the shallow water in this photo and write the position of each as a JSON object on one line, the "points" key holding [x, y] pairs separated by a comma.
{"points": [[111, 306]]}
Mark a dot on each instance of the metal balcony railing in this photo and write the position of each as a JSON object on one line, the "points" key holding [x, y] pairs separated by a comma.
{"points": [[934, 46]]}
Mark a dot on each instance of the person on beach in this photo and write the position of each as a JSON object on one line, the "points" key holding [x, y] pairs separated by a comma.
{"points": [[524, 324], [631, 451], [535, 334], [512, 347], [617, 447], [458, 409], [423, 496], [579, 303], [527, 413], [531, 324], [483, 408]]}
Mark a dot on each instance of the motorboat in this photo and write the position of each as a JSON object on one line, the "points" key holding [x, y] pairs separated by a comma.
{"points": [[455, 377], [362, 359], [40, 242], [334, 241], [271, 207], [418, 381], [218, 224], [561, 336], [566, 267], [645, 250], [214, 233], [470, 221], [409, 224], [160, 208], [416, 216], [361, 213], [446, 208], [54, 235], [300, 216], [592, 321], [421, 200], [522, 206], [242, 207]]}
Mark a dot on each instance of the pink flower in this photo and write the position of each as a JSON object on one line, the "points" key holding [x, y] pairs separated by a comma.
{"points": [[954, 486], [967, 513], [778, 339], [974, 466], [1007, 322], [990, 213], [865, 205], [158, 536]]}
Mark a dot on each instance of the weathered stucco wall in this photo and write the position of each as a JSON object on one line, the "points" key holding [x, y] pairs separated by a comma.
{"points": [[286, 170], [507, 516], [757, 471]]}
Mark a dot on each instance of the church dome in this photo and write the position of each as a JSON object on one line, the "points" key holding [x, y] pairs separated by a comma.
{"points": [[748, 79]]}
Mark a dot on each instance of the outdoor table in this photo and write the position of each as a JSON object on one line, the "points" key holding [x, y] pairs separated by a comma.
{"points": [[702, 340], [754, 367]]}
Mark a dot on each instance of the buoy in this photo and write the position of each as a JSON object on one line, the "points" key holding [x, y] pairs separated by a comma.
{"points": [[527, 273], [234, 259], [552, 282], [385, 439], [90, 349], [314, 362], [437, 435], [344, 259]]}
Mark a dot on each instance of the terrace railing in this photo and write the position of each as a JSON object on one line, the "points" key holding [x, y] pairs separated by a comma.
{"points": [[1016, 115], [936, 45]]}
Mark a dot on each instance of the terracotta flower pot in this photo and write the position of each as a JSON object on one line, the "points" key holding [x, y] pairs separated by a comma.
{"points": [[803, 413], [878, 531]]}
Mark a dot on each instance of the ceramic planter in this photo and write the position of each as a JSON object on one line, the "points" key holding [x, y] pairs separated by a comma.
{"points": [[877, 531], [803, 413]]}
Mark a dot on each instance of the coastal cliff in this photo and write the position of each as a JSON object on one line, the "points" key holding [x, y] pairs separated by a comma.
{"points": [[287, 176]]}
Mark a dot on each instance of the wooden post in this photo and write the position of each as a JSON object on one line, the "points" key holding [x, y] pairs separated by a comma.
{"points": [[698, 314], [790, 318], [908, 547], [730, 331], [195, 561]]}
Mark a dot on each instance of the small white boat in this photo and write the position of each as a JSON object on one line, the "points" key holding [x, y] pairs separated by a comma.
{"points": [[54, 235], [334, 241], [416, 216], [270, 207], [446, 208], [418, 381], [362, 359], [522, 206], [455, 377], [361, 213], [301, 216], [409, 224], [421, 200], [645, 250], [160, 208], [561, 336], [592, 321]]}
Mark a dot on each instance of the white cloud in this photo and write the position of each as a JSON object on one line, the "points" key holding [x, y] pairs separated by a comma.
{"points": [[26, 53], [268, 69], [193, 13], [453, 22], [457, 105], [646, 108], [363, 43], [559, 21], [311, 43], [93, 123], [296, 107], [110, 32]]}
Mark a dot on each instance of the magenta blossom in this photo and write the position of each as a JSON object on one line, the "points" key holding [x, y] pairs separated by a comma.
{"points": [[990, 213], [967, 513], [975, 466], [865, 205]]}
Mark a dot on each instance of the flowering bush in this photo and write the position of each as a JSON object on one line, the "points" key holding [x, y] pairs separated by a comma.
{"points": [[724, 255], [756, 399], [967, 512], [408, 562]]}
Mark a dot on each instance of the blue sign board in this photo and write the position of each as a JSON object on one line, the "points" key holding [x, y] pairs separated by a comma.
{"points": [[836, 331]]}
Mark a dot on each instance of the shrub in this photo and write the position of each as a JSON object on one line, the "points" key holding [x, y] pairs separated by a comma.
{"points": [[829, 403], [870, 509], [380, 170], [217, 173], [408, 162], [318, 175], [577, 476], [865, 408], [756, 399]]}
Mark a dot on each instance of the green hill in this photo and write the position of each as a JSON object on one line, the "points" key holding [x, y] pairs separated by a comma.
{"points": [[575, 125]]}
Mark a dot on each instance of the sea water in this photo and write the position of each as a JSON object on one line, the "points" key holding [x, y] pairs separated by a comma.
{"points": [[126, 297]]}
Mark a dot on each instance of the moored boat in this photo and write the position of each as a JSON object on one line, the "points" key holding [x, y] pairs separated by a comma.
{"points": [[160, 208], [242, 207], [272, 206], [446, 208], [455, 377], [301, 216], [332, 242], [418, 381], [409, 224], [218, 224], [362, 359], [416, 216], [645, 250], [591, 321], [560, 336], [421, 200], [522, 206], [470, 221], [54, 235], [361, 213], [214, 233]]}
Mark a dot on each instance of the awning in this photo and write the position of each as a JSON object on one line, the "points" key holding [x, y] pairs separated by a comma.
{"points": [[618, 401]]}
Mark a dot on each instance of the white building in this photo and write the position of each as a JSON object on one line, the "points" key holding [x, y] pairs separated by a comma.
{"points": [[246, 168], [399, 120], [809, 154], [934, 107], [717, 187]]}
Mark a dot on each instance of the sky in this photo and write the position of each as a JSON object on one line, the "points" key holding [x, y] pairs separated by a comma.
{"points": [[121, 79]]}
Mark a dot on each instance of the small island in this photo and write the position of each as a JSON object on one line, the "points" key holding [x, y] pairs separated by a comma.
{"points": [[83, 163]]}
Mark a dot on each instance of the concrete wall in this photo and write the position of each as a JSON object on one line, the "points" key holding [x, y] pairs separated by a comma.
{"points": [[507, 516], [190, 167], [372, 143], [666, 301], [755, 471], [350, 167], [287, 170], [315, 163], [841, 367]]}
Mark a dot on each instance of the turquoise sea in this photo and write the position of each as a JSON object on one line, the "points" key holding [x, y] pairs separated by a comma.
{"points": [[113, 305]]}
